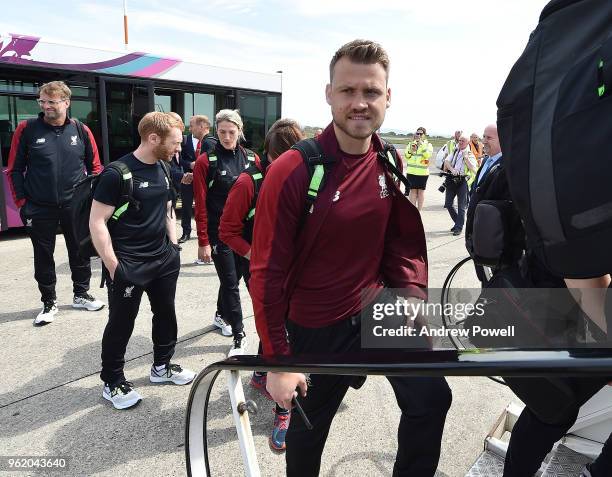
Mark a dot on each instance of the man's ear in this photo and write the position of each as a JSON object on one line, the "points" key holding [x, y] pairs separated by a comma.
{"points": [[328, 94], [388, 97]]}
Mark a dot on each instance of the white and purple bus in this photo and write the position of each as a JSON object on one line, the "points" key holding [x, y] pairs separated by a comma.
{"points": [[111, 91]]}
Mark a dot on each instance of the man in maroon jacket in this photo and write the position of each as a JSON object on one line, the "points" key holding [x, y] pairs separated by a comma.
{"points": [[361, 233]]}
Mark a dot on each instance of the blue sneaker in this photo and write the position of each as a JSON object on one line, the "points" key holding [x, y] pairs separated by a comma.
{"points": [[279, 431]]}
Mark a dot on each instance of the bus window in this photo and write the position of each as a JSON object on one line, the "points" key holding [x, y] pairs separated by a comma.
{"points": [[188, 108], [163, 103], [252, 109], [86, 111], [272, 110]]}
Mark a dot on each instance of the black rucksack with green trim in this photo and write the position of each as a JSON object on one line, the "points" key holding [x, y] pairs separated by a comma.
{"points": [[213, 165], [81, 206], [319, 165], [83, 196], [554, 126]]}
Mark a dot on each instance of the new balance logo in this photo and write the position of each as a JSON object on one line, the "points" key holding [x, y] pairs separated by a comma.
{"points": [[128, 292], [73, 140], [40, 140], [143, 185]]}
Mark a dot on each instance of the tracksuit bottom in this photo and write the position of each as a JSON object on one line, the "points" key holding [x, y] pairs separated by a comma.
{"points": [[229, 273], [424, 403], [41, 224], [158, 279], [552, 407]]}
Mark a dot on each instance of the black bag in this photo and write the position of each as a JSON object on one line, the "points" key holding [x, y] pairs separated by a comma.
{"points": [[490, 241], [81, 206], [539, 317], [554, 126]]}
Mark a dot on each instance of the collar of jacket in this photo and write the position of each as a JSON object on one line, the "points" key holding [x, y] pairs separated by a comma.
{"points": [[330, 145]]}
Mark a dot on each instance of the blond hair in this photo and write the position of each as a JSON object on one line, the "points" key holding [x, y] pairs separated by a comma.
{"points": [[54, 88], [232, 116], [159, 123]]}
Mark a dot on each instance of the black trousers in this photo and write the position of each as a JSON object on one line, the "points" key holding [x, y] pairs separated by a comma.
{"points": [[229, 273], [424, 403], [186, 211], [552, 406], [158, 279], [41, 224]]}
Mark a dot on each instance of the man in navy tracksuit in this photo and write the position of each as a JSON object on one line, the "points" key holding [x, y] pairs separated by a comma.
{"points": [[49, 155]]}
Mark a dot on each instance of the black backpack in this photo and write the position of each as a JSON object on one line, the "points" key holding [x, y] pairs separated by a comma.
{"points": [[83, 197], [554, 121], [213, 164], [81, 206]]}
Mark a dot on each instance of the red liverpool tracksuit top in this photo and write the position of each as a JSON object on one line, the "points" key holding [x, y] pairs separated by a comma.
{"points": [[311, 268]]}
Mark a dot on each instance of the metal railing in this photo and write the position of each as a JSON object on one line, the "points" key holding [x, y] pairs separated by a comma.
{"points": [[505, 363]]}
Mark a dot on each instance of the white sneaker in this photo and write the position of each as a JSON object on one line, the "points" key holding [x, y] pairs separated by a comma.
{"points": [[47, 314], [87, 302], [171, 373], [239, 346], [121, 395], [226, 329]]}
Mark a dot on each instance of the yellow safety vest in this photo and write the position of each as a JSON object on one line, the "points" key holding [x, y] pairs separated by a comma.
{"points": [[417, 163]]}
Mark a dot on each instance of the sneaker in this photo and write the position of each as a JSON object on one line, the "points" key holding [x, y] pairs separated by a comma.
{"points": [[279, 431], [258, 381], [586, 471], [239, 346], [226, 330], [47, 314], [122, 395], [87, 302], [457, 232], [171, 373]]}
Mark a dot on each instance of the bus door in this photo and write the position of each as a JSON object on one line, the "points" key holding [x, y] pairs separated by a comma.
{"points": [[123, 103]]}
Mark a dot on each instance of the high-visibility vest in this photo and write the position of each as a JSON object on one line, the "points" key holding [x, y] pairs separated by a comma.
{"points": [[417, 163]]}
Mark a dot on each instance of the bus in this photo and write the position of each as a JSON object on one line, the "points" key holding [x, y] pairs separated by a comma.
{"points": [[111, 91]]}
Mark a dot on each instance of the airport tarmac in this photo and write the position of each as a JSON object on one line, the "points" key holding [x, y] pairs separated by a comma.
{"points": [[51, 396]]}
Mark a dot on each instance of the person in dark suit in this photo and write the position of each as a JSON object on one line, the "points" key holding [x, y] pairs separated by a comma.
{"points": [[198, 141]]}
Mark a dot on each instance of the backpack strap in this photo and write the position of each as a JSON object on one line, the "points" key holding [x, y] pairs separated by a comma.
{"points": [[212, 170], [127, 189], [318, 166], [388, 157], [257, 177]]}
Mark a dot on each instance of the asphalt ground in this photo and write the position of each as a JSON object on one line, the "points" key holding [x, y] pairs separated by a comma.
{"points": [[50, 392]]}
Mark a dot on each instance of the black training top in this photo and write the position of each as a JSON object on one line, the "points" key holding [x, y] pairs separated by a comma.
{"points": [[138, 234]]}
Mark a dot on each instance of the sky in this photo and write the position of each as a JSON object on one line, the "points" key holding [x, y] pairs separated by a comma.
{"points": [[449, 59]]}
